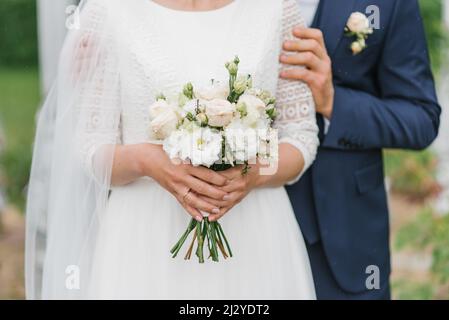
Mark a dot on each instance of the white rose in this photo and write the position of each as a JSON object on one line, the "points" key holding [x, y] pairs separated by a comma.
{"points": [[219, 112], [358, 22], [158, 107], [213, 91], [164, 124]]}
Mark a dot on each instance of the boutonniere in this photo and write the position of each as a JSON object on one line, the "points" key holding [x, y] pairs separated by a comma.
{"points": [[358, 27]]}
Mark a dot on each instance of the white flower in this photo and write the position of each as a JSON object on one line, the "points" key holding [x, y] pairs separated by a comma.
{"points": [[219, 112], [190, 107], [358, 46], [254, 109], [206, 147], [358, 23], [201, 146], [158, 107], [215, 90], [164, 123], [173, 144], [241, 141]]}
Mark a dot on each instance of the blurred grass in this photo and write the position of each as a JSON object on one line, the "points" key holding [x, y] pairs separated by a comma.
{"points": [[19, 100]]}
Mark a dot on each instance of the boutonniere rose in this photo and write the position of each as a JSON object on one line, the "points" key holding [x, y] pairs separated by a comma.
{"points": [[358, 26]]}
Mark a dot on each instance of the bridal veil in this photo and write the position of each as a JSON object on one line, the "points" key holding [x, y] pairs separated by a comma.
{"points": [[73, 154]]}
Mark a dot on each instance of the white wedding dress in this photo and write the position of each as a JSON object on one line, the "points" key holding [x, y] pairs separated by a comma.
{"points": [[161, 50]]}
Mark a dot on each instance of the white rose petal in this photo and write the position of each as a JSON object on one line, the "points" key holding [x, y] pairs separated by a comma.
{"points": [[358, 23], [213, 91], [164, 124], [158, 107], [219, 112]]}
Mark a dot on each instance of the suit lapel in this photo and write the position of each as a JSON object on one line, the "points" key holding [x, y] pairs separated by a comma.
{"points": [[333, 17]]}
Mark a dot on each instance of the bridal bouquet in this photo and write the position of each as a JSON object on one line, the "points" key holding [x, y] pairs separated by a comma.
{"points": [[218, 127]]}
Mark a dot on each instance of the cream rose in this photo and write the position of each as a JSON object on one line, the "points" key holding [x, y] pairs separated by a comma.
{"points": [[213, 91], [158, 107], [358, 23], [219, 112], [164, 124]]}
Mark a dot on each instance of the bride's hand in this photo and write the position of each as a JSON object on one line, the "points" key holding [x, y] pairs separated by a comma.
{"points": [[187, 183], [238, 187]]}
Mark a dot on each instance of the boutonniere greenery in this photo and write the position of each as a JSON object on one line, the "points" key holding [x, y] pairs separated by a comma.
{"points": [[358, 26]]}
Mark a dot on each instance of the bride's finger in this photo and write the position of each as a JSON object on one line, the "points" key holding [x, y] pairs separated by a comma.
{"points": [[217, 203], [233, 173], [193, 201], [208, 175], [195, 213], [204, 188], [217, 217]]}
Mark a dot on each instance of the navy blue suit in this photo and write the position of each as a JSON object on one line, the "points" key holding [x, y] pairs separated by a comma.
{"points": [[384, 98]]}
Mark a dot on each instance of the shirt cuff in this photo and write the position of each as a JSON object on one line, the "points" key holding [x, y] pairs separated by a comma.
{"points": [[327, 124]]}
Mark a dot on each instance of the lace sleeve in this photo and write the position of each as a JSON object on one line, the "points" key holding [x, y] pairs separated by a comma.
{"points": [[296, 122], [95, 79]]}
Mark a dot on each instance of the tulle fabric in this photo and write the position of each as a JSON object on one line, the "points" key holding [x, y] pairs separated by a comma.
{"points": [[70, 176]]}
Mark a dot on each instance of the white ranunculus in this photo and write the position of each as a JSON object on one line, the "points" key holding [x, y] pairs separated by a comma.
{"points": [[358, 23], [164, 124], [158, 107], [219, 112], [215, 90]]}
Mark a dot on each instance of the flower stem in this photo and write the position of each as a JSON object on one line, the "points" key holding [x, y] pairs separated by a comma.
{"points": [[179, 244], [224, 237]]}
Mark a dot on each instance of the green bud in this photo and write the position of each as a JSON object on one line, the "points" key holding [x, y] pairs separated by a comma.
{"points": [[271, 112], [161, 96], [182, 100], [202, 119], [190, 116], [242, 109], [232, 68], [188, 90]]}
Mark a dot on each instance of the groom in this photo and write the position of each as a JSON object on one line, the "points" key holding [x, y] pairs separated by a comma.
{"points": [[382, 97]]}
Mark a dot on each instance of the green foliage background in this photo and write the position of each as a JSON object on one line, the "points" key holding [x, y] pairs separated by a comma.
{"points": [[18, 33]]}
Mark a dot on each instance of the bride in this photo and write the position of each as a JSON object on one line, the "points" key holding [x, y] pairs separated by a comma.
{"points": [[109, 201]]}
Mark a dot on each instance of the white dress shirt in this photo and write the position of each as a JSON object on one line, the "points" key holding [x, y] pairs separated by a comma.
{"points": [[308, 10]]}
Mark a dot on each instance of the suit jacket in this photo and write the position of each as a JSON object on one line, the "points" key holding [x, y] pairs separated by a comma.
{"points": [[384, 98]]}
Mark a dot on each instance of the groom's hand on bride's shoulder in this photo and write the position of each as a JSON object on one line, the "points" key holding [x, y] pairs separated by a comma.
{"points": [[308, 50]]}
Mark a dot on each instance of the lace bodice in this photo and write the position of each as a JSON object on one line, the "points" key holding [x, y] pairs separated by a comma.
{"points": [[156, 49]]}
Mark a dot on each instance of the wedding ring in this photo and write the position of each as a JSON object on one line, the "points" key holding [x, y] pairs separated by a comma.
{"points": [[187, 193]]}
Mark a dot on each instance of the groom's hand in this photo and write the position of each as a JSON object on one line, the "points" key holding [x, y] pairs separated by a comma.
{"points": [[308, 50]]}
